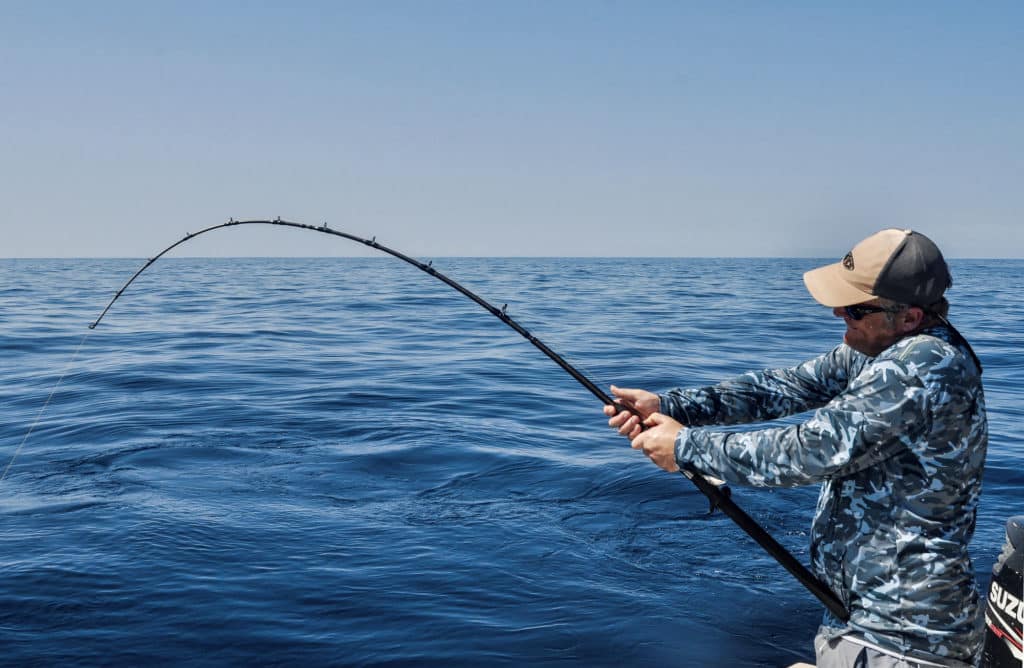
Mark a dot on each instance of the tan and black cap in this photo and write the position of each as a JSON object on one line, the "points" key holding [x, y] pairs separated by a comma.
{"points": [[901, 265]]}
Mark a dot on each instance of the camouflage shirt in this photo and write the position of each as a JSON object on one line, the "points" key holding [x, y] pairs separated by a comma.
{"points": [[898, 444]]}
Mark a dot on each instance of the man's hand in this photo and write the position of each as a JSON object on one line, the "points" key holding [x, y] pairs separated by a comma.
{"points": [[659, 441], [643, 402]]}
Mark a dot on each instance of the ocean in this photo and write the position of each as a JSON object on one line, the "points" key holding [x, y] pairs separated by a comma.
{"points": [[342, 461]]}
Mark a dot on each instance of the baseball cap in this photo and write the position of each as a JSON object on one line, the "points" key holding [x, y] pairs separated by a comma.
{"points": [[902, 265]]}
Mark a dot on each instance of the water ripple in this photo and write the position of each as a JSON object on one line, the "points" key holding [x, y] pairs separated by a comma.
{"points": [[340, 461]]}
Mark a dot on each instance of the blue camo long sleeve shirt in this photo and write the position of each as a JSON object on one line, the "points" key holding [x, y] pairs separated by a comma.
{"points": [[898, 444]]}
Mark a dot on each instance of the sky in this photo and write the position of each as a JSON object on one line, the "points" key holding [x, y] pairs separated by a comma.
{"points": [[510, 128]]}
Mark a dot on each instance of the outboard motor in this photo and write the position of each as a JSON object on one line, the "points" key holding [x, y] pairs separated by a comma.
{"points": [[1004, 611]]}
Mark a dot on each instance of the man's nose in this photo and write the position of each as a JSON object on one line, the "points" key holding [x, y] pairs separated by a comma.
{"points": [[839, 312]]}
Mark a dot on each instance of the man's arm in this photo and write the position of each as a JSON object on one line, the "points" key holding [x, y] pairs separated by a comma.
{"points": [[766, 395], [876, 417]]}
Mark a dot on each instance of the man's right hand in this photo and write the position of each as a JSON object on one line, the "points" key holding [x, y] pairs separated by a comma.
{"points": [[629, 424]]}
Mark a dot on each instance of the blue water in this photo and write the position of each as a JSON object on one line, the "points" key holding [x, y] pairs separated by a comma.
{"points": [[345, 462]]}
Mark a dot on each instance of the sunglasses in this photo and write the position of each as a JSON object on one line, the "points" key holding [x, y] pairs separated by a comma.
{"points": [[858, 311]]}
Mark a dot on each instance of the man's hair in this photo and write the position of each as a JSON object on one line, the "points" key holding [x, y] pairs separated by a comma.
{"points": [[935, 313], [939, 308]]}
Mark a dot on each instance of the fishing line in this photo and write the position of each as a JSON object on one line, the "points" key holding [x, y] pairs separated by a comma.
{"points": [[46, 403], [716, 492]]}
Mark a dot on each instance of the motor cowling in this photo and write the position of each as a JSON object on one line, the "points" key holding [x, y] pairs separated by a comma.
{"points": [[1004, 608]]}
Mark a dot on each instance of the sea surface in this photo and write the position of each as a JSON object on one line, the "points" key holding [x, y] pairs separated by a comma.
{"points": [[345, 462]]}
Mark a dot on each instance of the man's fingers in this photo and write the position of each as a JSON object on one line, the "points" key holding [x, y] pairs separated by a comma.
{"points": [[654, 419], [618, 418], [631, 425], [617, 408], [622, 414], [625, 396]]}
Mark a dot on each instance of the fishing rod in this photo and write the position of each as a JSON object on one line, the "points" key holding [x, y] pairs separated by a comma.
{"points": [[717, 493]]}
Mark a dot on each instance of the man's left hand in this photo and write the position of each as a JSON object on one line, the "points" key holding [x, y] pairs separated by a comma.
{"points": [[659, 441]]}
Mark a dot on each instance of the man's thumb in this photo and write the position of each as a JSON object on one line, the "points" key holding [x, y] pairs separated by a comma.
{"points": [[654, 419]]}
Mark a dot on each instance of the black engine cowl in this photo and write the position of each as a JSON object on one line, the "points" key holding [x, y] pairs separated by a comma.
{"points": [[1004, 608]]}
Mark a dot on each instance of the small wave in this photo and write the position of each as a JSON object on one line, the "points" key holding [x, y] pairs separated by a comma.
{"points": [[34, 505]]}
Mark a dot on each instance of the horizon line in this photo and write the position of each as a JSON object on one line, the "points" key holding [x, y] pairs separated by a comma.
{"points": [[464, 257]]}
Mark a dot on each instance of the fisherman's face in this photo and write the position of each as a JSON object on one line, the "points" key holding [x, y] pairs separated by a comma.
{"points": [[873, 332]]}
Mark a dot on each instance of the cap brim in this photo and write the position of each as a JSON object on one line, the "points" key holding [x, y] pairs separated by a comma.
{"points": [[828, 286]]}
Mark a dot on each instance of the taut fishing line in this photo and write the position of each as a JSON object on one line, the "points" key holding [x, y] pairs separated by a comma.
{"points": [[717, 493], [39, 416]]}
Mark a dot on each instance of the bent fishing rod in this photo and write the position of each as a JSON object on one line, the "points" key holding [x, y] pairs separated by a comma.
{"points": [[716, 492]]}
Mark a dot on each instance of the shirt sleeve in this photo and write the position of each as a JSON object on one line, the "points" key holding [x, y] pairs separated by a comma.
{"points": [[882, 411], [766, 395]]}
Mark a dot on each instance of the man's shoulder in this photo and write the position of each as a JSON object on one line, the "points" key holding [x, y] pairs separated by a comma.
{"points": [[923, 348], [927, 354], [841, 357], [842, 354]]}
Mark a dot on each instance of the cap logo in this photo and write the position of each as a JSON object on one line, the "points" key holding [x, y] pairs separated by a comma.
{"points": [[848, 261]]}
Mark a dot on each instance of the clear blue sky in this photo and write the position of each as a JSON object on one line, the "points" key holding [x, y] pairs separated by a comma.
{"points": [[511, 128]]}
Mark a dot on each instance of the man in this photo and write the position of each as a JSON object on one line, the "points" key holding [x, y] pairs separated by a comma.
{"points": [[897, 441]]}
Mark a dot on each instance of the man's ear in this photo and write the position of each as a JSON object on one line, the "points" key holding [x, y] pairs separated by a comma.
{"points": [[911, 318]]}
